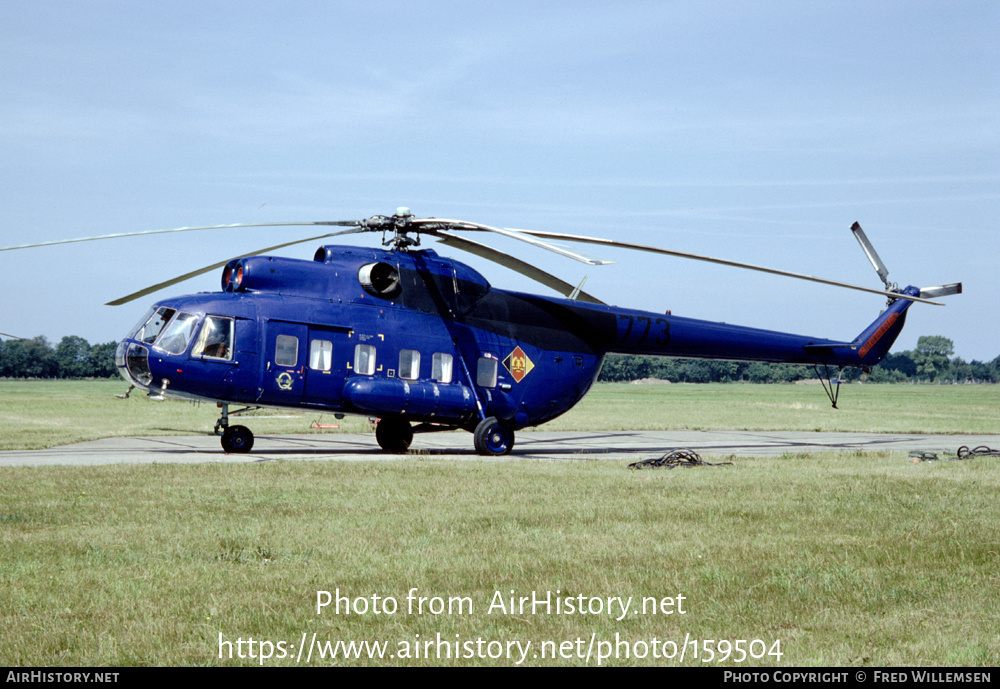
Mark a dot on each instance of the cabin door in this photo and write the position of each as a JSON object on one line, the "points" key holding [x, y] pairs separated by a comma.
{"points": [[286, 351], [329, 353]]}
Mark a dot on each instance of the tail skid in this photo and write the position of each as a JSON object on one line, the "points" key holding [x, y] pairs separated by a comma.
{"points": [[867, 350]]}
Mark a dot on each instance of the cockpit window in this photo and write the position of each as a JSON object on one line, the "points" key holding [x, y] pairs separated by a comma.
{"points": [[176, 336], [216, 339], [153, 325], [134, 332]]}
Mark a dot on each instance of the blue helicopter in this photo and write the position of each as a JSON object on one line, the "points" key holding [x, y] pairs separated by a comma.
{"points": [[424, 343]]}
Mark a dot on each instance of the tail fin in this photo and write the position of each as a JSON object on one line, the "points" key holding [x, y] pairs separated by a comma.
{"points": [[874, 343]]}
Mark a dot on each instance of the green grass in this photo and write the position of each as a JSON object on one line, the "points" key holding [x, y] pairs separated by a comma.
{"points": [[947, 409], [38, 414], [845, 559]]}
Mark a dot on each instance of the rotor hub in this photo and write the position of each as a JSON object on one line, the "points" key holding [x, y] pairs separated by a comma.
{"points": [[399, 224]]}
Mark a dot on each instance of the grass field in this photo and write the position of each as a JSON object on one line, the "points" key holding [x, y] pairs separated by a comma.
{"points": [[827, 560], [38, 414]]}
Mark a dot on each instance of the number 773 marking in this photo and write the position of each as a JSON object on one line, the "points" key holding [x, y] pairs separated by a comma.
{"points": [[659, 327]]}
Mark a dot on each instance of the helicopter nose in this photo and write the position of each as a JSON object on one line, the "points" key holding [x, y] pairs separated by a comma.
{"points": [[132, 360]]}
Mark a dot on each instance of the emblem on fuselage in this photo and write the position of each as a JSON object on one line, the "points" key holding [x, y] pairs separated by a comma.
{"points": [[284, 380], [518, 363]]}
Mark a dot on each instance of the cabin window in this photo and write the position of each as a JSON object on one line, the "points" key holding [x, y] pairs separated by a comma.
{"points": [[176, 336], [486, 372], [409, 364], [320, 355], [216, 339], [286, 350], [441, 367], [364, 359]]}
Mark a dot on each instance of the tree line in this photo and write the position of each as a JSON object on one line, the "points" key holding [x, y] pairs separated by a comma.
{"points": [[933, 360], [73, 357]]}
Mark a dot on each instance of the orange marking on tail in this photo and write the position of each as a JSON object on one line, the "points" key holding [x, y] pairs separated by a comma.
{"points": [[877, 335]]}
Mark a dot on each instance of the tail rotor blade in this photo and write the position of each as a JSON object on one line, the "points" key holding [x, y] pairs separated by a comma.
{"points": [[872, 255], [941, 290]]}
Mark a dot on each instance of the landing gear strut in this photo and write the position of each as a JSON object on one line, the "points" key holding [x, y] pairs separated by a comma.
{"points": [[235, 439], [223, 423]]}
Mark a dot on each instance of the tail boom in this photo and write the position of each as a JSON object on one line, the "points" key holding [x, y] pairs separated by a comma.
{"points": [[643, 333]]}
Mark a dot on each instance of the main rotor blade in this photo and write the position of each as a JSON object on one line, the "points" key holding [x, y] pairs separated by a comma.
{"points": [[201, 271], [520, 235], [119, 235], [723, 262], [514, 264]]}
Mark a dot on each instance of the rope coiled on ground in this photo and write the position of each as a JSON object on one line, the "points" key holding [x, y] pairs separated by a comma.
{"points": [[676, 458], [982, 451], [963, 453]]}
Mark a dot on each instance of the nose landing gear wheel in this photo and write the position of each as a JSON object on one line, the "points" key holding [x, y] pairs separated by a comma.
{"points": [[493, 437], [237, 439]]}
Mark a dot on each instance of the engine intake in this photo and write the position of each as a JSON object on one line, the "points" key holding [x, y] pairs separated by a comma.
{"points": [[380, 279]]}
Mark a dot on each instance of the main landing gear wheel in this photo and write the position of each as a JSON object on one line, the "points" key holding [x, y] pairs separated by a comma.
{"points": [[394, 435], [237, 439], [493, 437]]}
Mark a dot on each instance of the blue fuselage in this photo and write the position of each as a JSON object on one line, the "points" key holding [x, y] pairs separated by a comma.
{"points": [[416, 336]]}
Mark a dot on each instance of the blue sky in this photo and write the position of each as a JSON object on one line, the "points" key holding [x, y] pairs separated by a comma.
{"points": [[753, 131]]}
